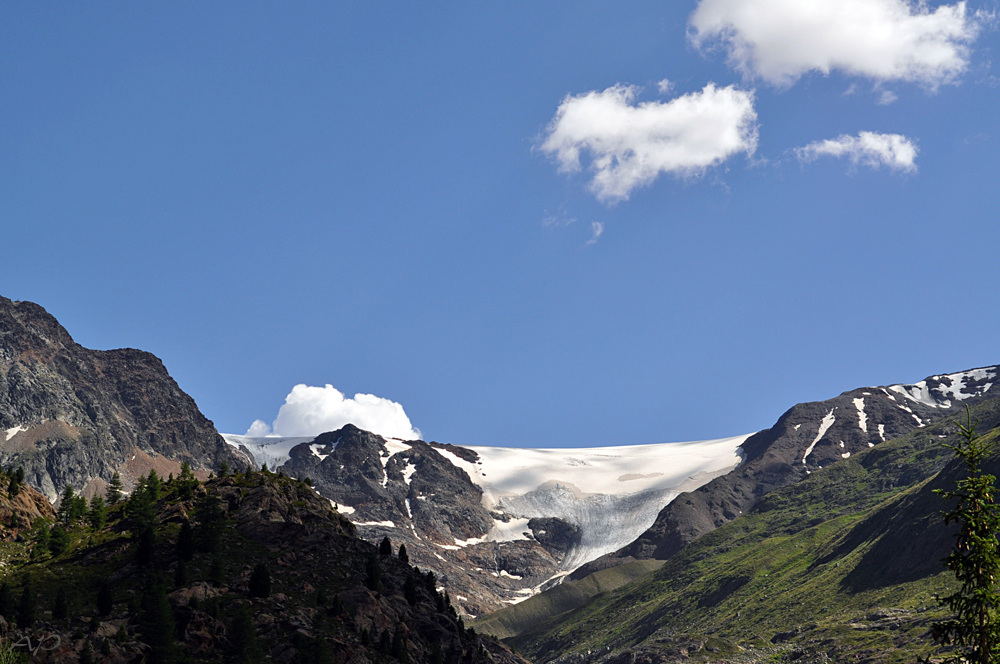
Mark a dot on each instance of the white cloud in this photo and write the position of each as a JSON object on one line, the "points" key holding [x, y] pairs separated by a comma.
{"points": [[887, 97], [310, 411], [596, 231], [632, 144], [664, 86], [884, 40], [868, 149]]}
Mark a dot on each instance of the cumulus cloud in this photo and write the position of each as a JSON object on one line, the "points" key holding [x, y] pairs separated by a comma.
{"points": [[310, 411], [631, 144], [884, 40], [868, 148]]}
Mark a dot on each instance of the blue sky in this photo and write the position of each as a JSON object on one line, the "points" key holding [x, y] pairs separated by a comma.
{"points": [[380, 197]]}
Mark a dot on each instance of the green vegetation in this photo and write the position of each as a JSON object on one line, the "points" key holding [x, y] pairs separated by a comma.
{"points": [[975, 560], [565, 597], [843, 565], [213, 559]]}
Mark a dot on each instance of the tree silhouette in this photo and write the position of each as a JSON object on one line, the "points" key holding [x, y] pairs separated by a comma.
{"points": [[114, 491], [259, 584], [105, 599], [157, 625], [975, 560]]}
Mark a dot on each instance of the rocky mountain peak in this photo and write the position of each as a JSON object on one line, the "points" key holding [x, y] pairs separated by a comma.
{"points": [[73, 416]]}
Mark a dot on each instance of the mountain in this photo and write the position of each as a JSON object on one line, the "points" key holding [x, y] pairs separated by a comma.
{"points": [[74, 416], [807, 438], [284, 577], [496, 525], [843, 565]]}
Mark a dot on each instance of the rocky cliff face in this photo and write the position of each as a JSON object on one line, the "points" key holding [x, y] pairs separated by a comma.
{"points": [[413, 494], [807, 437], [74, 416]]}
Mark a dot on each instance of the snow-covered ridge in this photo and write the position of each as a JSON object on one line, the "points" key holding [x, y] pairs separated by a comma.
{"points": [[612, 494], [940, 391], [271, 450]]}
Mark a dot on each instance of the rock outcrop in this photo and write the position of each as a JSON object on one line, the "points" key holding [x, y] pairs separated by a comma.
{"points": [[74, 416]]}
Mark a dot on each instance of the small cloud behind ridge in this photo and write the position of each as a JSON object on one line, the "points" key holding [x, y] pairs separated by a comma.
{"points": [[310, 411]]}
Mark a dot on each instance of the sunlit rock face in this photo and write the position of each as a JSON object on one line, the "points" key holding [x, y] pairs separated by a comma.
{"points": [[74, 416]]}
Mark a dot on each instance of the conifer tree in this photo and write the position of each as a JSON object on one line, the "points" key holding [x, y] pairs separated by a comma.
{"points": [[77, 508], [98, 515], [65, 504], [105, 599], [154, 486], [14, 487], [385, 547], [259, 584], [975, 560], [223, 469], [114, 491], [211, 520], [187, 482], [217, 572], [58, 540], [403, 556], [26, 606], [157, 626], [86, 654], [185, 542], [180, 575], [373, 574], [60, 608], [145, 547], [245, 648], [7, 604]]}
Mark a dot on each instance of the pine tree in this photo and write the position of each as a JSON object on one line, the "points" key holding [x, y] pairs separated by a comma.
{"points": [[403, 556], [373, 574], [60, 608], [114, 491], [154, 486], [211, 520], [385, 547], [65, 504], [77, 508], [185, 542], [7, 604], [187, 482], [26, 606], [105, 599], [217, 572], [245, 649], [180, 575], [58, 540], [399, 649], [259, 584], [98, 515], [145, 547], [157, 626], [14, 487], [224, 469], [86, 654], [975, 560]]}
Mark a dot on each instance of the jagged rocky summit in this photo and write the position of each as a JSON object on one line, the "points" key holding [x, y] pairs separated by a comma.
{"points": [[74, 416]]}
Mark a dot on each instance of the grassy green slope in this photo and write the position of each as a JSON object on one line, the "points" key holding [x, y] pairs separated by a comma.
{"points": [[844, 564], [560, 599]]}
